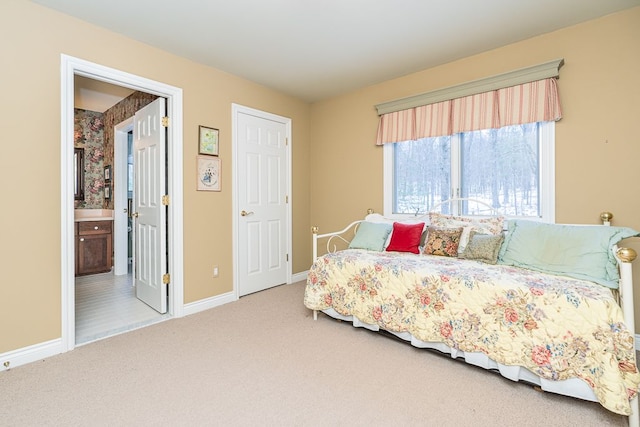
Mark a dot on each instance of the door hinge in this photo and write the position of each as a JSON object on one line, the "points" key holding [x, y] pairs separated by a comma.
{"points": [[286, 199], [165, 200], [166, 278], [165, 121], [287, 257]]}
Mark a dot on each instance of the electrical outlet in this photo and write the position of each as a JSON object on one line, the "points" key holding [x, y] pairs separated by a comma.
{"points": [[215, 271]]}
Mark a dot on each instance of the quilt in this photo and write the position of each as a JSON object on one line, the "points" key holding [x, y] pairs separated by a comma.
{"points": [[555, 326]]}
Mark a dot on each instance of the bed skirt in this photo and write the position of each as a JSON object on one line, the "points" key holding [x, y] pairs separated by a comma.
{"points": [[573, 387]]}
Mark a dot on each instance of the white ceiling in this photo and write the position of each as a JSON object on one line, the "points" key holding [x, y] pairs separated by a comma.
{"points": [[316, 49], [94, 95]]}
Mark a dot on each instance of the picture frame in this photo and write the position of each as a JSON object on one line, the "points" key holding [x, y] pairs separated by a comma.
{"points": [[208, 169], [107, 192], [208, 141], [107, 173]]}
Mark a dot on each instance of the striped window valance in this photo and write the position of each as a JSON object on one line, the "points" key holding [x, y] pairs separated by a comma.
{"points": [[526, 102]]}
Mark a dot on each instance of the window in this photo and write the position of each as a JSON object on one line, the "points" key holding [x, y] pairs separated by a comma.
{"points": [[510, 169]]}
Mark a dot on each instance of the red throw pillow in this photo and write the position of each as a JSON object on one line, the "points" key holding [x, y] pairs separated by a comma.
{"points": [[406, 237]]}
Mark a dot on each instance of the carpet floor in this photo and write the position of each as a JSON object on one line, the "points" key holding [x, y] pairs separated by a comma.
{"points": [[263, 361]]}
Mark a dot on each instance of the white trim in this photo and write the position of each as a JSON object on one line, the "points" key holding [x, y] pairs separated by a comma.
{"points": [[33, 353], [207, 303], [387, 180], [235, 110], [512, 78], [548, 172], [298, 277], [70, 67]]}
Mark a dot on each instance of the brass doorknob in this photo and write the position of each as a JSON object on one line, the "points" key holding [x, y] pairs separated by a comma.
{"points": [[134, 214], [245, 213]]}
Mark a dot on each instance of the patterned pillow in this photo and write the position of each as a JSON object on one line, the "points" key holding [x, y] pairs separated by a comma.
{"points": [[491, 225], [442, 241], [483, 247]]}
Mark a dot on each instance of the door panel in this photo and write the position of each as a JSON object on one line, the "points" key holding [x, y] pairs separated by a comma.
{"points": [[150, 241], [262, 186]]}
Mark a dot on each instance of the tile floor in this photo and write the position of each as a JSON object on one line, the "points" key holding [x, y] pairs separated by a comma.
{"points": [[107, 305]]}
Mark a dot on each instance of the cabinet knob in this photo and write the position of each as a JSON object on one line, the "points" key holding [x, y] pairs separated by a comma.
{"points": [[82, 239], [95, 228]]}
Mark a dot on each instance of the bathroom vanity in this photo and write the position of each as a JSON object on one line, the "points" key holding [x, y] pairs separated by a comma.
{"points": [[94, 241]]}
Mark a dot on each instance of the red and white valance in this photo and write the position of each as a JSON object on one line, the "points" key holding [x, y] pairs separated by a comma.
{"points": [[504, 100], [531, 102]]}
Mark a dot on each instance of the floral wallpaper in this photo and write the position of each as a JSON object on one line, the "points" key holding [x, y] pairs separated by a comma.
{"points": [[117, 114], [94, 132], [89, 134]]}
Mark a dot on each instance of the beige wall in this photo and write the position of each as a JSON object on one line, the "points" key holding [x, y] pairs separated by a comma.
{"points": [[30, 255], [337, 170], [597, 141]]}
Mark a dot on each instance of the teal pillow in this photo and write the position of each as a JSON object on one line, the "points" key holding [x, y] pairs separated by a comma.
{"points": [[578, 251], [371, 236]]}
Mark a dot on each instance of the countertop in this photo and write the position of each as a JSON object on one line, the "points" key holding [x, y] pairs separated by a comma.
{"points": [[93, 215]]}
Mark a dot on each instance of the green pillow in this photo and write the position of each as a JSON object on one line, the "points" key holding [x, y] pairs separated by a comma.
{"points": [[371, 236], [578, 251]]}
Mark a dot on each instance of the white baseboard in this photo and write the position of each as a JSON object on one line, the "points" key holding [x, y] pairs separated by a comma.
{"points": [[205, 304], [298, 277], [219, 300], [33, 353]]}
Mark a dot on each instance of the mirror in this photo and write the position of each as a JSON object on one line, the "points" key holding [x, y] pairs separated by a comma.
{"points": [[78, 173]]}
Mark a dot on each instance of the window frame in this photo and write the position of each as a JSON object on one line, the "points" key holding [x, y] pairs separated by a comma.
{"points": [[546, 155]]}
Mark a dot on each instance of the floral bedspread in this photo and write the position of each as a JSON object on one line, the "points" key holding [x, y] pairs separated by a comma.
{"points": [[557, 327]]}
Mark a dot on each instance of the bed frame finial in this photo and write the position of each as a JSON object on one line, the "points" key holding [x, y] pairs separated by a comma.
{"points": [[315, 229], [606, 217], [626, 254], [369, 211]]}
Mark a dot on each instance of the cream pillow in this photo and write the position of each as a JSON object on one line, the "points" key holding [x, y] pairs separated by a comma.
{"points": [[491, 225]]}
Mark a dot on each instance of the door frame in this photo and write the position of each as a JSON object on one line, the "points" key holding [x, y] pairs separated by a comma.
{"points": [[70, 67], [235, 110]]}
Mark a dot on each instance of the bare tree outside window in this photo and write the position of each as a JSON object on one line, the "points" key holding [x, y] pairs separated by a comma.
{"points": [[500, 167]]}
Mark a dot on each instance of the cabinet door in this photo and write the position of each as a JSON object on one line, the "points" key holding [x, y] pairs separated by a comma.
{"points": [[94, 253]]}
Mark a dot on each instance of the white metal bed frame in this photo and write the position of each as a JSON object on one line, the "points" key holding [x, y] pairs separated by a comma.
{"points": [[624, 257]]}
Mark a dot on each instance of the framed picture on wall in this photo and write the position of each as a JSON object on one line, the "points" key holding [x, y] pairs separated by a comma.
{"points": [[107, 192], [208, 173], [107, 173], [208, 141]]}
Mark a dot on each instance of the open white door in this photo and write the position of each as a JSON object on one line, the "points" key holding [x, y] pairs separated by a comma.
{"points": [[150, 237], [263, 228]]}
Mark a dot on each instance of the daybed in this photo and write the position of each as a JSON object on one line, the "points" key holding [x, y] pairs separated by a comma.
{"points": [[539, 303]]}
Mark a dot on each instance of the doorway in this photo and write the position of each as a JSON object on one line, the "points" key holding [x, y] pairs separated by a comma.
{"points": [[107, 303], [70, 68]]}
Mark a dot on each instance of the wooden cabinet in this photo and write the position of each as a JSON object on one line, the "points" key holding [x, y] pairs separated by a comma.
{"points": [[94, 247]]}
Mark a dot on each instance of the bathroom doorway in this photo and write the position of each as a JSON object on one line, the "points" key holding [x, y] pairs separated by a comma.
{"points": [[72, 67], [106, 302]]}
